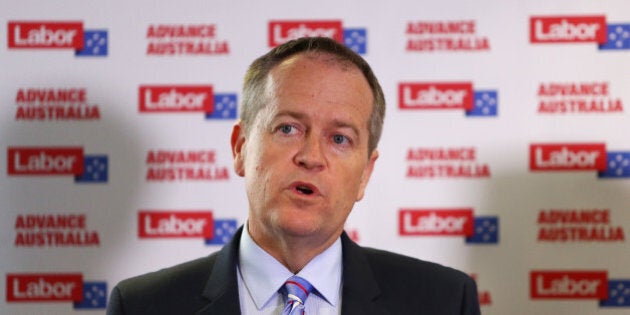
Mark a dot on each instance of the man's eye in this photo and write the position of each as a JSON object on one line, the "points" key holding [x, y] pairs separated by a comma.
{"points": [[340, 139], [286, 129]]}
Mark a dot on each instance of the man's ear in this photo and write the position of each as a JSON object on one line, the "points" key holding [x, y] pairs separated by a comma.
{"points": [[238, 141]]}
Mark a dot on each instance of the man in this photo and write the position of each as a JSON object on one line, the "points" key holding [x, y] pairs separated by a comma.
{"points": [[305, 143]]}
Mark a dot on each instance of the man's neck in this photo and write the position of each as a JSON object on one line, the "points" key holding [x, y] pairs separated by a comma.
{"points": [[294, 252]]}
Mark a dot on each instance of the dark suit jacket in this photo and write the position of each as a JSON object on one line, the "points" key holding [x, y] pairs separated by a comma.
{"points": [[374, 282]]}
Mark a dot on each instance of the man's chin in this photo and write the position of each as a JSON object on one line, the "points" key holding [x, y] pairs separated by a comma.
{"points": [[300, 229], [316, 232]]}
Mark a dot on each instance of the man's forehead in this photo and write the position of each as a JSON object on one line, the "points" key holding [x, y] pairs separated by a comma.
{"points": [[281, 74]]}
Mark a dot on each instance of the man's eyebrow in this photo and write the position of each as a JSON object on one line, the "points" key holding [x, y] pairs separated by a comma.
{"points": [[272, 119], [290, 113]]}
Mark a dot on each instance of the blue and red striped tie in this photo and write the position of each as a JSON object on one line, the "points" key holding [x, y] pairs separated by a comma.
{"points": [[297, 290]]}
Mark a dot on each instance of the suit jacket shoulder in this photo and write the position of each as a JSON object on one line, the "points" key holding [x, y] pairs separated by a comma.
{"points": [[390, 267], [155, 292], [397, 284], [206, 285]]}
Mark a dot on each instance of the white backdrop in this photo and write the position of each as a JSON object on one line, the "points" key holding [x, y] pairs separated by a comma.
{"points": [[542, 238]]}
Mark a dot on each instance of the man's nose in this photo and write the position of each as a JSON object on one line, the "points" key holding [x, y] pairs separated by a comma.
{"points": [[310, 155]]}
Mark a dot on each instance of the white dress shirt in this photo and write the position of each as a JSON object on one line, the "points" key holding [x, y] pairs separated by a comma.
{"points": [[260, 276]]}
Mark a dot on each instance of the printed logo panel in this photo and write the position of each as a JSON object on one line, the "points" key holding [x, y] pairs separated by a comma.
{"points": [[44, 287], [94, 296], [568, 29], [584, 225], [456, 95], [486, 230], [436, 222], [563, 98], [618, 36], [225, 106], [439, 36], [445, 162], [185, 40], [95, 44], [176, 98], [356, 39], [45, 160], [618, 165], [568, 157], [54, 230], [58, 104], [184, 165], [618, 294], [224, 230], [569, 285], [37, 34], [163, 224]]}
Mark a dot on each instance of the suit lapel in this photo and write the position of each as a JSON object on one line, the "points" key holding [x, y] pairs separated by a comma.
{"points": [[360, 289], [221, 289]]}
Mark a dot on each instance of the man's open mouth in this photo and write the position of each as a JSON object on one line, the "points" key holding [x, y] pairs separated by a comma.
{"points": [[304, 189]]}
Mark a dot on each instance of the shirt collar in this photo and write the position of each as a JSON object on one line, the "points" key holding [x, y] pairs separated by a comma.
{"points": [[263, 275]]}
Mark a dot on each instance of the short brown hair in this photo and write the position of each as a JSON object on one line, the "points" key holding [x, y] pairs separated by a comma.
{"points": [[258, 72]]}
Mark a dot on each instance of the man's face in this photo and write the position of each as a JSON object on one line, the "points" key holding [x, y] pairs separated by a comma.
{"points": [[305, 160]]}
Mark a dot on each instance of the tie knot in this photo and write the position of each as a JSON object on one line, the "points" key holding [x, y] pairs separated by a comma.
{"points": [[298, 290]]}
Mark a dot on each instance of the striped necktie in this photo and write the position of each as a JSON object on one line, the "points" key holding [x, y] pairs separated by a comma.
{"points": [[297, 290]]}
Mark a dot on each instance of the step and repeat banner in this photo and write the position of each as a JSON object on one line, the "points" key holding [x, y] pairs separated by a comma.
{"points": [[505, 153]]}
